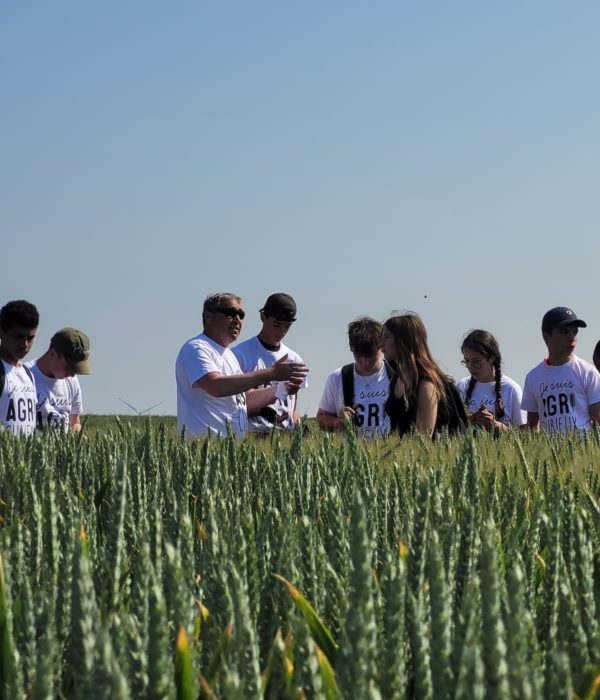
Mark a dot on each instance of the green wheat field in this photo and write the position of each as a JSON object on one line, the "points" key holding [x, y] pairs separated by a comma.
{"points": [[134, 564]]}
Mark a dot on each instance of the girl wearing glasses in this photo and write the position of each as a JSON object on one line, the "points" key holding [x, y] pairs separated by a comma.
{"points": [[493, 400], [422, 397]]}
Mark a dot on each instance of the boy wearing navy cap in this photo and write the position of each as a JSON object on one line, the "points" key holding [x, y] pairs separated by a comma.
{"points": [[563, 392]]}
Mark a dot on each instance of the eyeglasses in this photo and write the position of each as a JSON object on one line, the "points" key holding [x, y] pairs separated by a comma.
{"points": [[231, 312], [475, 363]]}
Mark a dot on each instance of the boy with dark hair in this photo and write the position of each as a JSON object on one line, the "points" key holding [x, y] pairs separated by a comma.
{"points": [[263, 351], [358, 391], [563, 392], [18, 325]]}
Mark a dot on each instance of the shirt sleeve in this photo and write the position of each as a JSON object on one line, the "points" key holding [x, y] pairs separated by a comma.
{"points": [[198, 361], [76, 402], [593, 386], [518, 417], [329, 401], [528, 401], [462, 387]]}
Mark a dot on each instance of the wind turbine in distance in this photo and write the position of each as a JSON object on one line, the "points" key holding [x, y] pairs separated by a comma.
{"points": [[145, 410]]}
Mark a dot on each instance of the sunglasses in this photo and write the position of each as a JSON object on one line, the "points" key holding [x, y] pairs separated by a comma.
{"points": [[231, 312]]}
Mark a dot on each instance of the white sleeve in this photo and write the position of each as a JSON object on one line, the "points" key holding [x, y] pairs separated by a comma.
{"points": [[329, 401], [528, 401], [198, 361], [76, 401], [517, 416], [592, 386], [462, 387]]}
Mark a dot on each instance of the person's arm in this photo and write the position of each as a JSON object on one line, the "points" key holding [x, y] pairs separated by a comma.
{"points": [[332, 423], [595, 414], [74, 422], [256, 399], [427, 408], [219, 385], [533, 420]]}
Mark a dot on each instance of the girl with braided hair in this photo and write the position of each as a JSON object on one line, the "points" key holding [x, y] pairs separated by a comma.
{"points": [[493, 400]]}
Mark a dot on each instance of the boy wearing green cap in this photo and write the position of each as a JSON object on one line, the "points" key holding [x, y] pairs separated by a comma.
{"points": [[58, 391]]}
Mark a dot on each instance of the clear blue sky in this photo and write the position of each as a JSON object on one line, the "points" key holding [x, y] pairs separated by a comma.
{"points": [[357, 155]]}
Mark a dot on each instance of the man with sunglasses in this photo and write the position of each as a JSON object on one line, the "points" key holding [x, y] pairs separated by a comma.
{"points": [[213, 394], [263, 350]]}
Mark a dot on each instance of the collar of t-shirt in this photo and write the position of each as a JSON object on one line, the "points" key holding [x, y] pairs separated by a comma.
{"points": [[270, 348]]}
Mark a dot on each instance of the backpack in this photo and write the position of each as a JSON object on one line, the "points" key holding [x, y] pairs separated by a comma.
{"points": [[348, 381]]}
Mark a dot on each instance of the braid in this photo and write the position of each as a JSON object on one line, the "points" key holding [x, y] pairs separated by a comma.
{"points": [[498, 387], [470, 388]]}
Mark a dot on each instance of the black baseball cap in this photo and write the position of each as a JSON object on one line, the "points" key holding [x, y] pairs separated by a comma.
{"points": [[280, 306], [560, 316]]}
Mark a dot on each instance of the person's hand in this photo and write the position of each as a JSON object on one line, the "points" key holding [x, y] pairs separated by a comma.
{"points": [[293, 386], [284, 371], [347, 412], [483, 419]]}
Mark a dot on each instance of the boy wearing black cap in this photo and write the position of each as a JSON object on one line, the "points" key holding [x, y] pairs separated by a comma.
{"points": [[563, 392], [18, 325], [58, 390], [261, 352]]}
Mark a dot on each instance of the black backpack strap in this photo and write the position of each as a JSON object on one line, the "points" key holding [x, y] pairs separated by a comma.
{"points": [[348, 384], [2, 377], [29, 373]]}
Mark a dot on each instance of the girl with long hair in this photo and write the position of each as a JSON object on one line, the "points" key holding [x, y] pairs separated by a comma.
{"points": [[493, 400], [422, 397]]}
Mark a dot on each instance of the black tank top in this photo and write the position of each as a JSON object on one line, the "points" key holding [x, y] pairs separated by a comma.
{"points": [[403, 412]]}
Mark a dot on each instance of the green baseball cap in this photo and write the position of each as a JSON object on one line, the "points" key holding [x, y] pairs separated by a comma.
{"points": [[75, 347]]}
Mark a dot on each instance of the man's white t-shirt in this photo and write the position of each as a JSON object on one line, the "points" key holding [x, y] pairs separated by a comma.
{"points": [[562, 394], [57, 399], [252, 355], [17, 401], [197, 411], [484, 395], [370, 395]]}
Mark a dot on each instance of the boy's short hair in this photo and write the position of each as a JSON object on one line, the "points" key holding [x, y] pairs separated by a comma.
{"points": [[19, 313], [364, 336]]}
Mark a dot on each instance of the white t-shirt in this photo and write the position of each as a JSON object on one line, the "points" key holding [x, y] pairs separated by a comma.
{"points": [[197, 411], [484, 395], [57, 399], [370, 394], [252, 355], [17, 401], [562, 394]]}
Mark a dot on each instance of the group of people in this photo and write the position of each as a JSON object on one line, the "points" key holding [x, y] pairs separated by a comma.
{"points": [[394, 384], [42, 392]]}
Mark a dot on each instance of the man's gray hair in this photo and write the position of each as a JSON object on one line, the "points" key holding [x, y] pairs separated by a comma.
{"points": [[215, 301]]}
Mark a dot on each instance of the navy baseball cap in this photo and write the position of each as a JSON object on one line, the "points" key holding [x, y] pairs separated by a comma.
{"points": [[560, 316]]}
